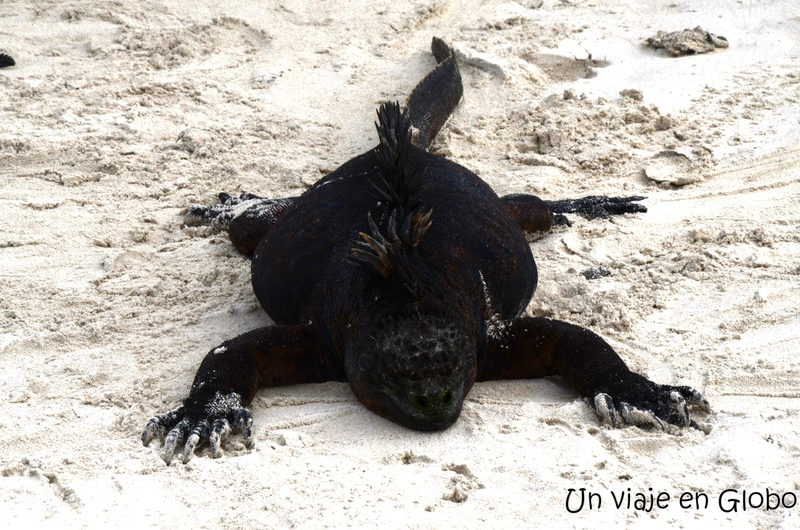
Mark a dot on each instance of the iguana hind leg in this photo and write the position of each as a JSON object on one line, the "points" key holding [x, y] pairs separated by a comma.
{"points": [[247, 218], [535, 347]]}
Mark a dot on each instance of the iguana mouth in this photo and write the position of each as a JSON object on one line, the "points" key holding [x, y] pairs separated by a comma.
{"points": [[427, 405]]}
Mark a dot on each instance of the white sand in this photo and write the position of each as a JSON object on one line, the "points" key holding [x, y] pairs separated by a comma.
{"points": [[108, 304]]}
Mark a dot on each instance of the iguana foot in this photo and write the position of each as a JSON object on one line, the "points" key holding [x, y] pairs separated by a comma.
{"points": [[219, 216], [200, 420], [595, 207], [646, 404], [247, 219]]}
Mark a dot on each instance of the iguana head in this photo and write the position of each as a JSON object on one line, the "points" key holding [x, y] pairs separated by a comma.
{"points": [[413, 370]]}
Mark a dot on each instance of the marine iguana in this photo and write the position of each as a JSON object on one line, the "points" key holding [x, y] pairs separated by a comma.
{"points": [[405, 275]]}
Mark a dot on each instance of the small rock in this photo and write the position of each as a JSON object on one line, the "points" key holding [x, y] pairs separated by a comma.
{"points": [[594, 273], [664, 123], [688, 41], [194, 139], [458, 495], [632, 93]]}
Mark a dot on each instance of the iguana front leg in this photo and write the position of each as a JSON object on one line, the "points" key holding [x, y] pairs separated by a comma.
{"points": [[595, 207], [227, 381], [535, 216], [536, 347]]}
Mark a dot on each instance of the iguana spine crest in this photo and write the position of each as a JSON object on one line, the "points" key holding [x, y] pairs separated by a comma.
{"points": [[396, 183]]}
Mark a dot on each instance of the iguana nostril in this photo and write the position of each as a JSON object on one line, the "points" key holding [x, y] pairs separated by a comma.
{"points": [[433, 398], [447, 398]]}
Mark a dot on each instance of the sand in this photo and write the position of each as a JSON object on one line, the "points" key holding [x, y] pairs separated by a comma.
{"points": [[108, 302]]}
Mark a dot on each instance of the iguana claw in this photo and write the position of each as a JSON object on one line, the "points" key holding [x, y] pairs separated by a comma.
{"points": [[191, 426], [662, 407]]}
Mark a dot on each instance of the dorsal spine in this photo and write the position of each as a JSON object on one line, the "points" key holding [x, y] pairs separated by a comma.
{"points": [[395, 184], [397, 180]]}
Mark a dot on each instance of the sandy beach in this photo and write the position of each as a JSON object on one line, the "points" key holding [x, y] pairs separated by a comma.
{"points": [[118, 116]]}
